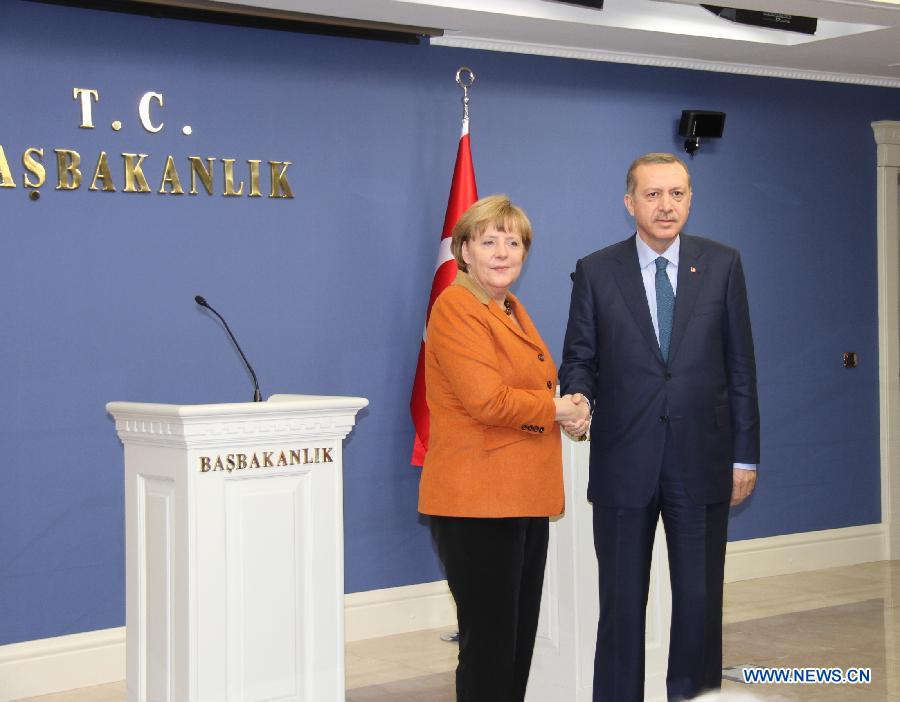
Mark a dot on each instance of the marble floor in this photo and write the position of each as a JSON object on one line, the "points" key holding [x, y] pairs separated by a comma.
{"points": [[840, 617]]}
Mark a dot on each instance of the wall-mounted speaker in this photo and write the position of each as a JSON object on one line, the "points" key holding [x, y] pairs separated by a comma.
{"points": [[701, 124]]}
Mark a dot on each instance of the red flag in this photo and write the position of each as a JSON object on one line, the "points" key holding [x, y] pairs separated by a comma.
{"points": [[462, 194]]}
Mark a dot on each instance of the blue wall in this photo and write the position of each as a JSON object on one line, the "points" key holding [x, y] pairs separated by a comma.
{"points": [[327, 291]]}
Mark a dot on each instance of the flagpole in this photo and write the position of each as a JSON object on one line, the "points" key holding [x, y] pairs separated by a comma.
{"points": [[463, 192], [465, 83], [465, 78]]}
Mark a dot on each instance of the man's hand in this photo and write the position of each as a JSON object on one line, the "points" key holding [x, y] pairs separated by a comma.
{"points": [[578, 425], [742, 486]]}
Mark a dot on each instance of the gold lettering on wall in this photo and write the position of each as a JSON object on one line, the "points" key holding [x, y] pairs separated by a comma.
{"points": [[144, 111], [135, 182], [254, 177], [6, 179], [204, 173], [68, 176], [33, 160], [236, 180], [87, 119], [102, 173], [170, 178], [280, 185], [229, 178]]}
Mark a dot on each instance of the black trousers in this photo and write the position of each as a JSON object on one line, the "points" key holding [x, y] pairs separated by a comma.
{"points": [[495, 570]]}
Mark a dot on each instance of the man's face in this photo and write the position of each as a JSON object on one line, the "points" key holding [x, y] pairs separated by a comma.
{"points": [[660, 203]]}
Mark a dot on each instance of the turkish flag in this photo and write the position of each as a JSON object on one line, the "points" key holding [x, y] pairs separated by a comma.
{"points": [[462, 194]]}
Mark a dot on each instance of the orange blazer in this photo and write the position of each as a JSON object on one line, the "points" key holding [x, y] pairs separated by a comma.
{"points": [[494, 446]]}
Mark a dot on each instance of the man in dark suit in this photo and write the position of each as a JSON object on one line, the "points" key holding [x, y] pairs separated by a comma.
{"points": [[659, 342]]}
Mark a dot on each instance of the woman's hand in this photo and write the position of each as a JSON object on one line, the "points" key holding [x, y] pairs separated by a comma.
{"points": [[573, 414]]}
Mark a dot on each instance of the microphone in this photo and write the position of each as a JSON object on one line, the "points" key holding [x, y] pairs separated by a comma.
{"points": [[200, 300]]}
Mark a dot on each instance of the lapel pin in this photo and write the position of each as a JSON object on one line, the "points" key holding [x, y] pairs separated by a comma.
{"points": [[693, 270]]}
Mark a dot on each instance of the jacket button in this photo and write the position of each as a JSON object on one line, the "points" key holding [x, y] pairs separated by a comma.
{"points": [[663, 419], [668, 376], [549, 385], [540, 357]]}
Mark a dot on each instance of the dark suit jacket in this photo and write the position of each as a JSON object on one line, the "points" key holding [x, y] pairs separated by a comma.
{"points": [[704, 398]]}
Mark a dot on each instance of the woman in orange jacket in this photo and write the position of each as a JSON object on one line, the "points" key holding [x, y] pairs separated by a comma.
{"points": [[493, 470]]}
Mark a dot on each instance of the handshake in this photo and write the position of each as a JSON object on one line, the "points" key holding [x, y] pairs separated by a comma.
{"points": [[573, 412]]}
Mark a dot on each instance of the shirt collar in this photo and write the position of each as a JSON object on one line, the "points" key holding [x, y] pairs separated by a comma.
{"points": [[466, 281], [647, 256]]}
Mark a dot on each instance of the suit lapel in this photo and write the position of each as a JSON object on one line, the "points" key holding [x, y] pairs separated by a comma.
{"points": [[527, 333], [521, 315], [691, 276], [628, 277]]}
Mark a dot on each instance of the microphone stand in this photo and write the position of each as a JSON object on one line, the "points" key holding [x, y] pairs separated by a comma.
{"points": [[200, 300]]}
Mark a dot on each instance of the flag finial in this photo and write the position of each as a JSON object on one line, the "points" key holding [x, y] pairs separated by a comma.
{"points": [[465, 77]]}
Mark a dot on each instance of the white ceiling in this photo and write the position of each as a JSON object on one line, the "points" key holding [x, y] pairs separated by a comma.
{"points": [[653, 32]]}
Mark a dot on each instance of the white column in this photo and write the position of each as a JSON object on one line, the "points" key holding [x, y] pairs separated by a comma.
{"points": [[887, 136]]}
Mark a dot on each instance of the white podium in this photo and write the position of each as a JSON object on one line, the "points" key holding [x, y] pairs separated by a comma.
{"points": [[234, 549], [563, 666]]}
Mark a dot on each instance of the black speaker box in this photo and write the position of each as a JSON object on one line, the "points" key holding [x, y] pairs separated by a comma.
{"points": [[702, 124]]}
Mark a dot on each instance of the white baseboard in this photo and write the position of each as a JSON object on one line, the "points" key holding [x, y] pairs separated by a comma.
{"points": [[95, 657], [46, 666], [62, 663], [399, 610], [812, 550]]}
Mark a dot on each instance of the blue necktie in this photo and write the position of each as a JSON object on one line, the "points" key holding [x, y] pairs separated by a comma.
{"points": [[665, 305]]}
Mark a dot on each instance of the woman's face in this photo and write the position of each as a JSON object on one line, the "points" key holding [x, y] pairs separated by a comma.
{"points": [[494, 260]]}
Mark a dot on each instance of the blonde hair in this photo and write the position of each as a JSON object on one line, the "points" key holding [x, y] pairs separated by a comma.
{"points": [[496, 210], [650, 160]]}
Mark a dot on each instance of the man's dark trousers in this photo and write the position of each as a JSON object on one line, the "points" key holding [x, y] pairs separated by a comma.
{"points": [[695, 538]]}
